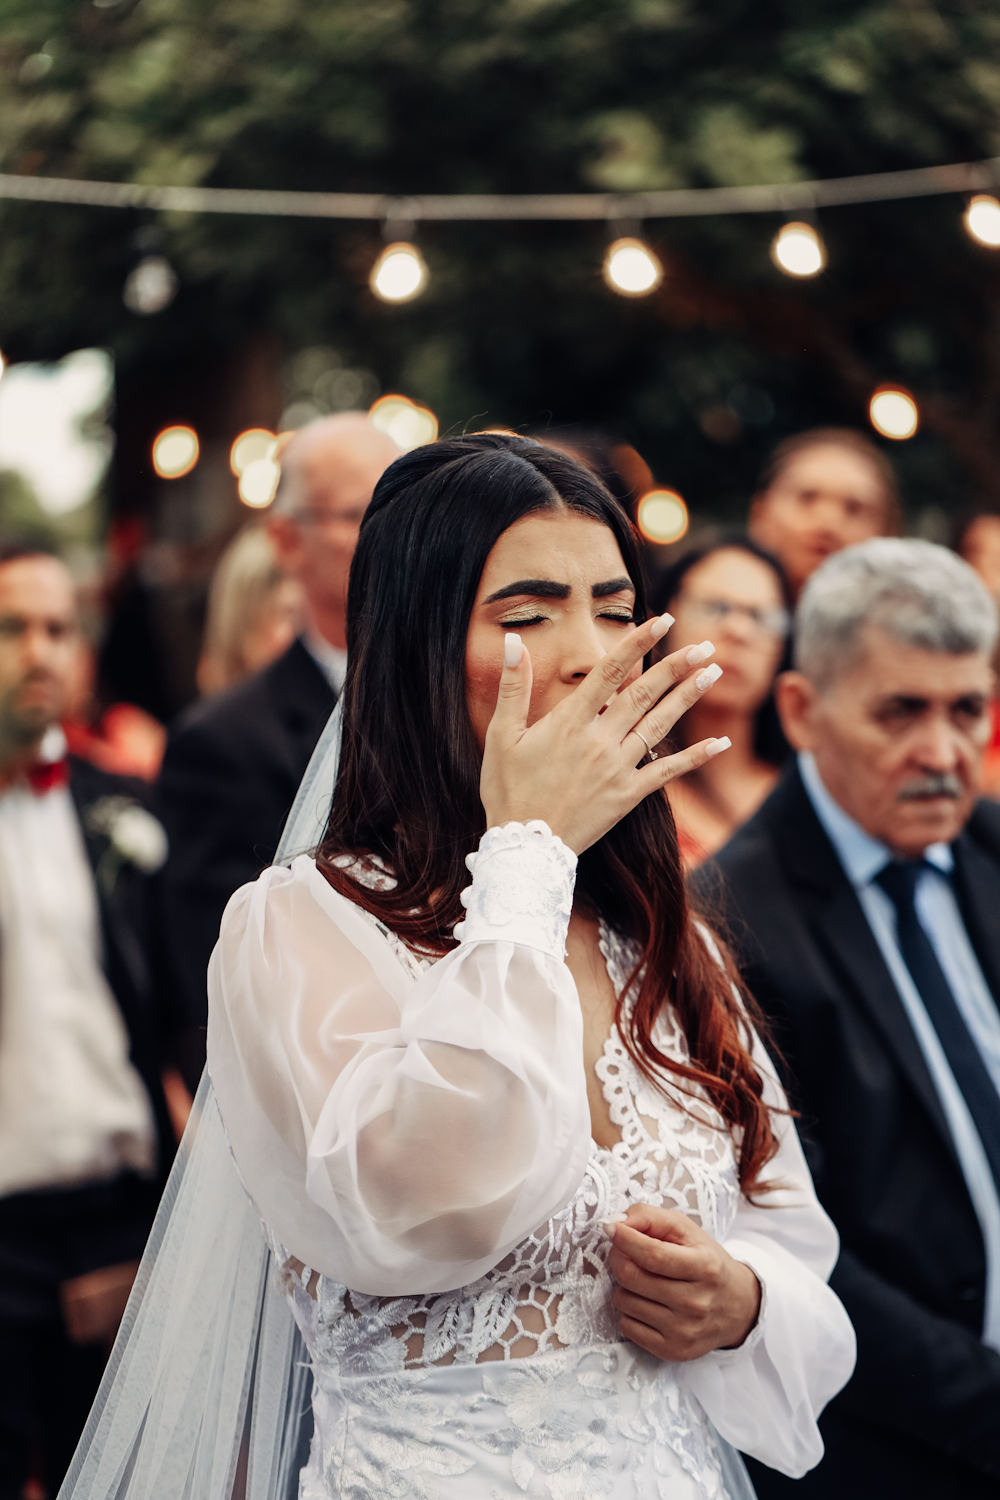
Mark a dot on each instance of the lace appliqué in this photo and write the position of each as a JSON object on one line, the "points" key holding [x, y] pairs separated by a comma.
{"points": [[521, 872], [676, 1150]]}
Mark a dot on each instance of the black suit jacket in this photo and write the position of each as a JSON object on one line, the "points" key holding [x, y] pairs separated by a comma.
{"points": [[126, 904], [231, 770], [921, 1416]]}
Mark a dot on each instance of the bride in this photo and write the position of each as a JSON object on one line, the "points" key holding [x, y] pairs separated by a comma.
{"points": [[530, 1189]]}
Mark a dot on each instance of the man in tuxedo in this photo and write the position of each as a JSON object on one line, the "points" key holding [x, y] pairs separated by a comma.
{"points": [[85, 1140], [863, 900], [234, 762]]}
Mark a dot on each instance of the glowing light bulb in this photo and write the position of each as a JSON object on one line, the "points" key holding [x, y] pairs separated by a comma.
{"points": [[150, 286], [251, 445], [408, 424], [175, 452], [798, 250], [259, 482], [982, 219], [894, 413], [631, 269], [399, 273], [662, 517]]}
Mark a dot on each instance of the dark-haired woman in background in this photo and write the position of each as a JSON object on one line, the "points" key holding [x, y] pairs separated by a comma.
{"points": [[737, 594], [487, 1081]]}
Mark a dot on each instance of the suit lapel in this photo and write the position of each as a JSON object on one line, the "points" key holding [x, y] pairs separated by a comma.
{"points": [[977, 884], [303, 701], [841, 929]]}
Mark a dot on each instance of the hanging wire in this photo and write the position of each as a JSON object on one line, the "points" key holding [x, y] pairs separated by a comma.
{"points": [[786, 197]]}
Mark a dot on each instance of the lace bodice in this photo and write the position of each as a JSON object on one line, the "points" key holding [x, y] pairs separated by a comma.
{"points": [[409, 1121], [553, 1291]]}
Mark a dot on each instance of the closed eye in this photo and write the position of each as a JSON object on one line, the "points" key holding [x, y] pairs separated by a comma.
{"points": [[523, 623]]}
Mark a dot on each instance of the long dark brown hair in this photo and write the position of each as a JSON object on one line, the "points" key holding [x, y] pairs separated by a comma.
{"points": [[408, 788]]}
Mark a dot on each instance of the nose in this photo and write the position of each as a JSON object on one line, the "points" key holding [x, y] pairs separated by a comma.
{"points": [[939, 748], [582, 649]]}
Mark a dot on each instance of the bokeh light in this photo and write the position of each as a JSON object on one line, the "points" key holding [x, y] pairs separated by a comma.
{"points": [[399, 273], [894, 413], [254, 444], [408, 424], [662, 517], [259, 482], [150, 286], [175, 452], [982, 219], [798, 250], [631, 269]]}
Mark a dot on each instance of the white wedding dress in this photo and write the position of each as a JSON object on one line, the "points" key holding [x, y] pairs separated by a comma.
{"points": [[415, 1138]]}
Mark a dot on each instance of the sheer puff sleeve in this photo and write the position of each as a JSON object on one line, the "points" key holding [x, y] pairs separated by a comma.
{"points": [[401, 1135], [765, 1397]]}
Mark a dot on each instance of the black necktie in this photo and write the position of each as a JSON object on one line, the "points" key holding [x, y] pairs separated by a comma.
{"points": [[899, 881]]}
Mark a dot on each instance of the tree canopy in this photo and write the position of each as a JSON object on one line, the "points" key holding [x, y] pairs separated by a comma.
{"points": [[517, 327]]}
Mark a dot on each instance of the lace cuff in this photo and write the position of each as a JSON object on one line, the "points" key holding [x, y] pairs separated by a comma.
{"points": [[522, 889]]}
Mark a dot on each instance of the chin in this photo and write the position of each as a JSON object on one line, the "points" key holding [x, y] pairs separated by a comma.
{"points": [[935, 824]]}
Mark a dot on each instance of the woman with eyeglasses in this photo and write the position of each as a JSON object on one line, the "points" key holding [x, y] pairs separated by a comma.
{"points": [[734, 595]]}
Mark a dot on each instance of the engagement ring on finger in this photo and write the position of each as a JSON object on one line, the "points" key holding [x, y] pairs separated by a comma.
{"points": [[651, 753]]}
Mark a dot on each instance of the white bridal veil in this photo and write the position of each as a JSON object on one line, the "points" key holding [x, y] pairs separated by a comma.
{"points": [[207, 1392]]}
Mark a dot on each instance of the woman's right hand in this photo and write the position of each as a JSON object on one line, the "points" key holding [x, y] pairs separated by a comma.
{"points": [[577, 768]]}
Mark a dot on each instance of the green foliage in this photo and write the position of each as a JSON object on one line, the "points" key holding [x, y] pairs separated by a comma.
{"points": [[409, 96]]}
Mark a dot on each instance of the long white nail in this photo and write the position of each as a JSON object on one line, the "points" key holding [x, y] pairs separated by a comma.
{"points": [[513, 649], [716, 747], [700, 653], [708, 676], [661, 625], [610, 1223]]}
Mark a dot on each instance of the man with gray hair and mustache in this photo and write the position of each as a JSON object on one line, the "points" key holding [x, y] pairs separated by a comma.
{"points": [[864, 901]]}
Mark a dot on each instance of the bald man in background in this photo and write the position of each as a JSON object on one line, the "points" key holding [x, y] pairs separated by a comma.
{"points": [[234, 762]]}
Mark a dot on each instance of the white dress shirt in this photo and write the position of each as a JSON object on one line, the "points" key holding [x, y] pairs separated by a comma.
{"points": [[331, 660], [73, 1109], [862, 857]]}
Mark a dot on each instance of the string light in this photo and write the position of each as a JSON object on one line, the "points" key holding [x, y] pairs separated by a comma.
{"points": [[150, 286], [982, 219], [408, 424], [251, 445], [894, 413], [798, 250], [631, 269], [662, 517], [259, 482], [175, 452], [399, 274]]}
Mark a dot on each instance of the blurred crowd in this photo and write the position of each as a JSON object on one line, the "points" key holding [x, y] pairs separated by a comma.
{"points": [[121, 842]]}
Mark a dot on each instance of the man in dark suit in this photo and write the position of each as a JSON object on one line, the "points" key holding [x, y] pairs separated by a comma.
{"points": [[85, 1139], [233, 763], [864, 901]]}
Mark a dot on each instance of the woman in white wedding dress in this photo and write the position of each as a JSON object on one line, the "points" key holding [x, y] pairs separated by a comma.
{"points": [[542, 1221], [529, 1185]]}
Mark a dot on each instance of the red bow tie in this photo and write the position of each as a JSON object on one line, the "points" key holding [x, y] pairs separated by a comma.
{"points": [[44, 775]]}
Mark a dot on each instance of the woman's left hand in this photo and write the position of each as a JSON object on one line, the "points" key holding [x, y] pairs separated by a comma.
{"points": [[679, 1294]]}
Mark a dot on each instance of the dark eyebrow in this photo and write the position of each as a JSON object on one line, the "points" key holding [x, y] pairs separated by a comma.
{"points": [[613, 586], [545, 588], [537, 588]]}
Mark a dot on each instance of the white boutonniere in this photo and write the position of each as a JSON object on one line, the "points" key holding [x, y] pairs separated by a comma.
{"points": [[134, 837]]}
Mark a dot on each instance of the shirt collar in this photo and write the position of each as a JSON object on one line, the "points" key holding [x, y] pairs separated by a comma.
{"points": [[331, 660], [861, 856]]}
